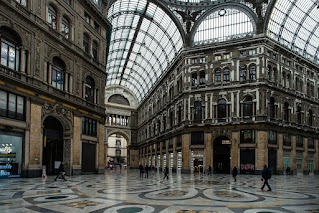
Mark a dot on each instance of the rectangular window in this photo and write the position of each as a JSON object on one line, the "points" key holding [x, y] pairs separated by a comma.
{"points": [[247, 136], [89, 126], [299, 142], [197, 138], [287, 139], [118, 153], [22, 2], [96, 26], [226, 56], [242, 53], [272, 137], [202, 60], [218, 57], [311, 144], [12, 106], [252, 52], [4, 54], [87, 17]]}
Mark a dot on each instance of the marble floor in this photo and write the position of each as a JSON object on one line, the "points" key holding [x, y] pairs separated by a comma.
{"points": [[125, 192]]}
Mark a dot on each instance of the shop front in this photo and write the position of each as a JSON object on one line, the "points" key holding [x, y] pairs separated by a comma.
{"points": [[11, 146]]}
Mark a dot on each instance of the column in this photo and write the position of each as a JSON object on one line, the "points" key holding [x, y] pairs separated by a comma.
{"points": [[76, 146], [50, 74], [305, 157], [95, 95], [83, 89], [167, 153], [66, 82], [101, 154], [316, 157], [45, 72], [28, 71], [262, 151], [235, 150], [161, 157], [186, 154], [280, 154], [293, 155], [22, 60], [208, 151], [174, 155], [71, 84]]}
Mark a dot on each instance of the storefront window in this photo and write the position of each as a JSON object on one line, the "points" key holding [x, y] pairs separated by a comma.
{"points": [[11, 106], [10, 155]]}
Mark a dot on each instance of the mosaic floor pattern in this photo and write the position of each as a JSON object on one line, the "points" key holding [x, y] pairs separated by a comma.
{"points": [[125, 192]]}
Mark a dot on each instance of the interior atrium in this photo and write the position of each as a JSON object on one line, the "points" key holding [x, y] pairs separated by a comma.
{"points": [[183, 84]]}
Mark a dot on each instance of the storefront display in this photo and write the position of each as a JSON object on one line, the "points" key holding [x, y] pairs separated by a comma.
{"points": [[10, 155]]}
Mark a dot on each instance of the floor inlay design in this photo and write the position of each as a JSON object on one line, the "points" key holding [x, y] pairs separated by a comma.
{"points": [[125, 192]]}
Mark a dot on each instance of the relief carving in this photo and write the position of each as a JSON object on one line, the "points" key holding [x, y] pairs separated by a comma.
{"points": [[38, 41], [39, 7]]}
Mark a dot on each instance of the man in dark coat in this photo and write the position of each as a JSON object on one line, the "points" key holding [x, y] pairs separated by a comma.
{"points": [[61, 172], [141, 170], [146, 171], [166, 173], [266, 174], [235, 173]]}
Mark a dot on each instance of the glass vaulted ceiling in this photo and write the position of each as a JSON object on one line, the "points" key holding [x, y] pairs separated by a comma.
{"points": [[295, 24], [144, 42]]}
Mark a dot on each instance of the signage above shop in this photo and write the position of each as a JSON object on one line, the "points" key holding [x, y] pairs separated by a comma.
{"points": [[226, 142]]}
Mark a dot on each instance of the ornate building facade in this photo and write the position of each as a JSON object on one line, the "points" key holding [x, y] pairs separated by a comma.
{"points": [[223, 84], [53, 58]]}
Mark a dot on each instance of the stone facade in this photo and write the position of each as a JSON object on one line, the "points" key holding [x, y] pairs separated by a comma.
{"points": [[53, 78]]}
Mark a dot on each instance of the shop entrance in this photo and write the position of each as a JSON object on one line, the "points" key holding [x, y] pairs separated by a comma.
{"points": [[52, 144], [221, 155]]}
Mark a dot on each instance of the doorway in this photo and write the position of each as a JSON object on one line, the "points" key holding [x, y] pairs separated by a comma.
{"points": [[52, 144], [88, 157], [221, 156]]}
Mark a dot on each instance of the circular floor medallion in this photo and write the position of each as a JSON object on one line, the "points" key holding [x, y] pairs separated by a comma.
{"points": [[131, 209]]}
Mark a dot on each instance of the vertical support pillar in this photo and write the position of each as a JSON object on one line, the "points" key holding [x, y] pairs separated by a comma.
{"points": [[66, 80], [50, 74], [316, 156], [186, 154], [77, 146], [45, 72], [262, 151], [71, 84], [280, 154], [28, 71], [208, 150], [235, 150], [174, 155], [293, 155], [83, 89], [22, 61], [305, 157]]}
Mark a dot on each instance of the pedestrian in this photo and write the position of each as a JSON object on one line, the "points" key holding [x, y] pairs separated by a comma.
{"points": [[209, 170], [266, 175], [201, 170], [146, 171], [166, 173], [61, 172], [141, 170], [235, 173]]}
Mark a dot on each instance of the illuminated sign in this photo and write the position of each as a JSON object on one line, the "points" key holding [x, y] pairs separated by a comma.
{"points": [[5, 150], [226, 142]]}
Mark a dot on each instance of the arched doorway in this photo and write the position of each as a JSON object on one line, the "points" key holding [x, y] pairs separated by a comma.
{"points": [[221, 156], [52, 144]]}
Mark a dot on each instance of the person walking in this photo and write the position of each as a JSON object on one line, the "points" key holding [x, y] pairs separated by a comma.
{"points": [[141, 170], [146, 171], [235, 173], [209, 170], [61, 172], [266, 175], [166, 173]]}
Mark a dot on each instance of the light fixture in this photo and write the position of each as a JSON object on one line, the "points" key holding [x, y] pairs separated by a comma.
{"points": [[222, 12]]}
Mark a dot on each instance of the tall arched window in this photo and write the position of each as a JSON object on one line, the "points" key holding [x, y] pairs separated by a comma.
{"points": [[22, 2], [297, 84], [194, 79], [252, 72], [310, 117], [58, 70], [301, 86], [86, 43], [283, 79], [52, 17], [288, 81], [94, 50], [286, 111], [243, 72], [274, 74], [248, 106], [65, 27], [10, 52], [218, 76], [269, 72], [272, 112], [197, 111], [202, 78], [298, 112], [89, 89], [221, 108], [226, 75]]}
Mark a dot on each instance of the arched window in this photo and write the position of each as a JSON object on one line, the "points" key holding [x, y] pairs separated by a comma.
{"points": [[243, 73], [248, 106], [52, 17], [218, 76], [10, 52], [297, 84], [58, 70], [252, 72], [286, 111], [301, 86], [89, 89], [272, 112], [288, 81], [65, 27], [308, 89], [197, 111], [298, 112], [94, 50], [86, 43], [269, 72], [194, 79], [283, 79], [221, 108], [274, 73], [202, 78], [226, 75], [310, 117]]}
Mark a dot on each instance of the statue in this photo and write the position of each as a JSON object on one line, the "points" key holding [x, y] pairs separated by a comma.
{"points": [[257, 4], [188, 17]]}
